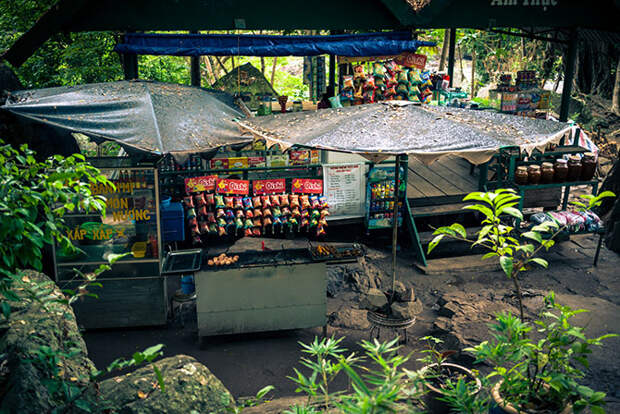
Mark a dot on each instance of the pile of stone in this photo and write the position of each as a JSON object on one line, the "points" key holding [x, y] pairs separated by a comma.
{"points": [[404, 304]]}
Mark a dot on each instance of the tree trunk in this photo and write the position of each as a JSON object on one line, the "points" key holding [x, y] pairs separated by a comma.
{"points": [[444, 49], [615, 98], [211, 76], [473, 73], [461, 64]]}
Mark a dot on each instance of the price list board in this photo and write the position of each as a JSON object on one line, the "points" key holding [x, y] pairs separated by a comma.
{"points": [[344, 189]]}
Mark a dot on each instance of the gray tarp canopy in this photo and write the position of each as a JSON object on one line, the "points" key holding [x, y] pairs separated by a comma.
{"points": [[147, 117], [400, 127]]}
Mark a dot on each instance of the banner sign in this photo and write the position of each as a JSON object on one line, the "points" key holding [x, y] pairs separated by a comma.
{"points": [[344, 186], [228, 186], [307, 186], [199, 184], [411, 60], [275, 186]]}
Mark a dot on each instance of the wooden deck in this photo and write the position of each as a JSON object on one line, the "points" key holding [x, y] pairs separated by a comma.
{"points": [[446, 181]]}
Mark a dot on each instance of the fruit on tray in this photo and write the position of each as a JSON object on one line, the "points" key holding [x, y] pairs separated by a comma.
{"points": [[223, 260]]}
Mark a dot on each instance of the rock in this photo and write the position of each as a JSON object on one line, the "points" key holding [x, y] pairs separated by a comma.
{"points": [[350, 318], [367, 276], [403, 293], [448, 310], [373, 300], [335, 280], [406, 310], [31, 327], [189, 387]]}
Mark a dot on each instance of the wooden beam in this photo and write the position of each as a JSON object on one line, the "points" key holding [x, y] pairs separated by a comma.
{"points": [[130, 66], [528, 36], [569, 74], [451, 54]]}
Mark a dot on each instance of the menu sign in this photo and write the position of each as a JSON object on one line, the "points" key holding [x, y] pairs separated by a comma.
{"points": [[307, 186], [228, 186], [344, 189], [275, 186], [199, 184]]}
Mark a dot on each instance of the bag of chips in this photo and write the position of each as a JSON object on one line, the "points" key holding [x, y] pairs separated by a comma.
{"points": [[294, 200], [257, 222], [221, 221], [220, 213], [210, 199], [257, 212], [247, 203], [248, 223], [239, 214], [276, 221], [320, 231], [239, 223], [188, 202], [256, 232], [256, 201], [249, 214], [229, 202], [324, 213], [266, 201], [230, 214], [194, 229], [267, 221], [204, 228], [347, 82], [211, 217], [323, 202], [219, 201], [276, 211], [378, 69], [199, 200], [323, 222], [191, 213], [305, 222], [221, 231], [267, 212], [314, 223], [192, 221], [305, 202], [248, 232], [275, 200], [286, 211], [284, 200], [202, 211], [238, 202], [293, 221], [212, 229], [305, 213], [315, 214], [314, 202]]}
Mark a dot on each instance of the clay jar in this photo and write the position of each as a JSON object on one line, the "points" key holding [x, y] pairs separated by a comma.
{"points": [[546, 173], [574, 168], [533, 174], [521, 175], [588, 166], [560, 170]]}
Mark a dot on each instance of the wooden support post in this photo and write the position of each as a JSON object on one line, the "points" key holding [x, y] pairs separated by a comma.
{"points": [[569, 74], [451, 54], [194, 70], [395, 221], [130, 66], [331, 89]]}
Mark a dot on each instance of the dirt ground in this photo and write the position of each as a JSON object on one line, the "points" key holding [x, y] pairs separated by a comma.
{"points": [[246, 363]]}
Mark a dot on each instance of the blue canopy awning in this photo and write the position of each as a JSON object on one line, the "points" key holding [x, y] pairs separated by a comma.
{"points": [[368, 44]]}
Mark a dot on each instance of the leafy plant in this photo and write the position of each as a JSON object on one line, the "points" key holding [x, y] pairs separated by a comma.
{"points": [[433, 357], [259, 398], [544, 373], [514, 255], [464, 397], [591, 201]]}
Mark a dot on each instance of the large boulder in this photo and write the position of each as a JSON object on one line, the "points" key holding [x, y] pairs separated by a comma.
{"points": [[350, 318], [373, 300], [33, 330], [189, 387], [406, 310]]}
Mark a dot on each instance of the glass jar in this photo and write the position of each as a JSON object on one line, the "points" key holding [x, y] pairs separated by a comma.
{"points": [[574, 168], [533, 174], [588, 166], [521, 176], [546, 173], [560, 170]]}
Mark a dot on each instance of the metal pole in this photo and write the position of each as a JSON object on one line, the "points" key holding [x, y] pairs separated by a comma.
{"points": [[569, 74], [194, 71], [331, 90], [451, 54], [395, 222]]}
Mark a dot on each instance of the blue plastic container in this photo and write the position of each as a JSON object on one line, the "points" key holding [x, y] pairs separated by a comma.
{"points": [[187, 284], [172, 222], [165, 201]]}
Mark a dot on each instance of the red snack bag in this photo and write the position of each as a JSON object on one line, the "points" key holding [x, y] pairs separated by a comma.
{"points": [[305, 202], [240, 214], [204, 228], [193, 222], [267, 213], [256, 201], [210, 199], [295, 212], [202, 211], [294, 200], [248, 232], [229, 202], [221, 231], [200, 200], [314, 202], [324, 213], [286, 211], [320, 231], [267, 221], [238, 202], [256, 232], [194, 229], [196, 239], [188, 202], [266, 201], [249, 214], [284, 200], [322, 223], [257, 212], [211, 217], [275, 200], [257, 222]]}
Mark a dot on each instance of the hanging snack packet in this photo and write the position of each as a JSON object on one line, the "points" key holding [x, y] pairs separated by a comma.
{"points": [[286, 211], [320, 231], [267, 212], [323, 202], [294, 200], [257, 212], [210, 199], [293, 221], [347, 82], [230, 214], [276, 221], [257, 222], [211, 217], [212, 229], [188, 201], [305, 213], [191, 213], [267, 221], [221, 221], [219, 201], [204, 228], [305, 222], [305, 202], [324, 213], [248, 233], [276, 211], [248, 224], [314, 202], [199, 199], [220, 213], [315, 214], [378, 69], [265, 201], [192, 221], [256, 232], [229, 202], [314, 223], [247, 203], [221, 231], [284, 220], [275, 200], [239, 223], [240, 214], [249, 214], [322, 222], [194, 229], [238, 202], [256, 201], [203, 211], [284, 200]]}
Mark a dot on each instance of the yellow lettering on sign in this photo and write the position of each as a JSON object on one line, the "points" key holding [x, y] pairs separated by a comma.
{"points": [[133, 214]]}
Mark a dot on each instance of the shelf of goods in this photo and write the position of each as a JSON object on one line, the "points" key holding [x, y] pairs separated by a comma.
{"points": [[132, 291], [380, 197]]}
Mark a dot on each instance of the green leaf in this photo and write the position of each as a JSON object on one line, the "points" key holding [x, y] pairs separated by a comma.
{"points": [[513, 212], [264, 391], [6, 309], [476, 195], [506, 263], [434, 242], [539, 261], [533, 236], [459, 229], [160, 378], [488, 213]]}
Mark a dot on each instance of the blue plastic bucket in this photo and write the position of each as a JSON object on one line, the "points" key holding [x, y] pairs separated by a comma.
{"points": [[165, 200], [187, 284]]}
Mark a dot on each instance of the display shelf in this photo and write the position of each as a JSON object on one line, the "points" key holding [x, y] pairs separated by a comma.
{"points": [[234, 170], [555, 185]]}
